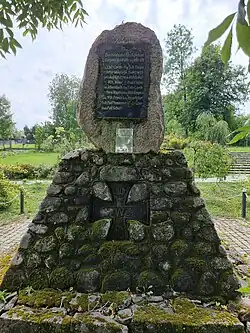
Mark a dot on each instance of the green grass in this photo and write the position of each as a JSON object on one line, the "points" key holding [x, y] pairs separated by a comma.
{"points": [[29, 157], [33, 195], [224, 199], [239, 149]]}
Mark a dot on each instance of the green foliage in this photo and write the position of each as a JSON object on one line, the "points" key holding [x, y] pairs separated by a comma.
{"points": [[242, 133], [3, 295], [211, 130], [63, 96], [219, 132], [174, 127], [48, 144], [6, 121], [179, 47], [208, 159], [26, 171], [174, 142], [242, 26], [29, 15], [217, 32], [8, 192], [204, 124], [211, 88]]}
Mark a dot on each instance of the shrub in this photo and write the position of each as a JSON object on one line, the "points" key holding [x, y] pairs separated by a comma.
{"points": [[44, 171], [27, 171], [208, 159], [8, 191], [14, 171], [174, 142]]}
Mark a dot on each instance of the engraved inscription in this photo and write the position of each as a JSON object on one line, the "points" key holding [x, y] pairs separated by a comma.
{"points": [[124, 81]]}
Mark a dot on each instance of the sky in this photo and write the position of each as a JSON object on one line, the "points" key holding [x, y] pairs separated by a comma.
{"points": [[25, 78]]}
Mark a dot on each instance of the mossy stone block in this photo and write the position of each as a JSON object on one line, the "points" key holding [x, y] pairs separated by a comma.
{"points": [[88, 280], [149, 278], [100, 229], [119, 280], [39, 279], [182, 281], [61, 278]]}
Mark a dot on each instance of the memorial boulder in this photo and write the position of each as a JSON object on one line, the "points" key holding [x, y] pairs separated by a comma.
{"points": [[121, 88]]}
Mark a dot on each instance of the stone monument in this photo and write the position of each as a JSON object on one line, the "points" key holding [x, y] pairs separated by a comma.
{"points": [[122, 83], [126, 220]]}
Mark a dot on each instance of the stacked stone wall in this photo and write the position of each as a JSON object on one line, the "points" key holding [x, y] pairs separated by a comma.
{"points": [[119, 221]]}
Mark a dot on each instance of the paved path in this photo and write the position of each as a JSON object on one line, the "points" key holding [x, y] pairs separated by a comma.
{"points": [[11, 234], [235, 234]]}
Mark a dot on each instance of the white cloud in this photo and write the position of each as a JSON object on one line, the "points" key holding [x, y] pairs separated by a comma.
{"points": [[25, 78]]}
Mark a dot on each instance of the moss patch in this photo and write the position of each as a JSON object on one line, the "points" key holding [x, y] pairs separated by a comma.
{"points": [[50, 298], [100, 229], [45, 298], [114, 297], [109, 249], [195, 264], [185, 314], [179, 247], [35, 316]]}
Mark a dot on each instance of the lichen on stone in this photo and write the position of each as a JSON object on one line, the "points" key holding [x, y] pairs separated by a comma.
{"points": [[100, 229]]}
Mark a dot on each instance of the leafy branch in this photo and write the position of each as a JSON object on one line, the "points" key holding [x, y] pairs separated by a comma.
{"points": [[29, 15], [239, 20]]}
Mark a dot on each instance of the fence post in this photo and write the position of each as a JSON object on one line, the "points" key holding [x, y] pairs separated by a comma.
{"points": [[21, 202], [244, 203]]}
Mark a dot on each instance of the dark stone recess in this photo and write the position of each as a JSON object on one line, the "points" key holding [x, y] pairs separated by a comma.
{"points": [[136, 220]]}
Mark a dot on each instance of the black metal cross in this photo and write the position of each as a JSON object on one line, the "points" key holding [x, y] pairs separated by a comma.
{"points": [[119, 210]]}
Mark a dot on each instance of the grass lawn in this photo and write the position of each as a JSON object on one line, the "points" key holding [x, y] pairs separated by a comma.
{"points": [[224, 199], [33, 195], [239, 149], [29, 157]]}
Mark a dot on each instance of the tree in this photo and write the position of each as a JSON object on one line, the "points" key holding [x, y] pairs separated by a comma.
{"points": [[242, 25], [39, 136], [209, 129], [179, 48], [213, 87], [204, 124], [17, 134], [220, 132], [63, 95], [26, 131], [29, 15], [6, 122]]}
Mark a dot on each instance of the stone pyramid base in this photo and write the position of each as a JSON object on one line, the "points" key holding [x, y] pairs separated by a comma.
{"points": [[123, 221]]}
